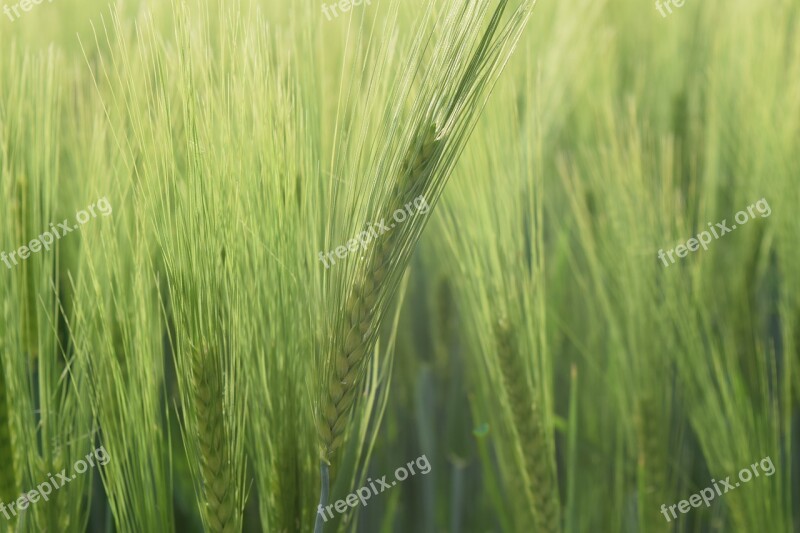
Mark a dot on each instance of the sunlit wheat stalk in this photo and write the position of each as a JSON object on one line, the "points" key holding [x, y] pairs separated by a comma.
{"points": [[352, 347]]}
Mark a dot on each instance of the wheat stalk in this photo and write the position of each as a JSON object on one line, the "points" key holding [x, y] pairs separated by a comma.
{"points": [[529, 426], [453, 97], [361, 318], [474, 52], [219, 488]]}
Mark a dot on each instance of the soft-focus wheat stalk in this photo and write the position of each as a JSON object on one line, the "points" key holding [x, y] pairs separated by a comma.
{"points": [[528, 424]]}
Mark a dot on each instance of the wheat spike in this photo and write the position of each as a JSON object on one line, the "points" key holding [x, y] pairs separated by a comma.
{"points": [[353, 343], [220, 508], [529, 427]]}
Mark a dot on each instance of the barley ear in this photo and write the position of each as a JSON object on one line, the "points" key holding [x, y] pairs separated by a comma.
{"points": [[355, 339], [218, 484], [529, 425]]}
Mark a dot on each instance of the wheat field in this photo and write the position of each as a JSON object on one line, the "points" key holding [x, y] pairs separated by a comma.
{"points": [[399, 266]]}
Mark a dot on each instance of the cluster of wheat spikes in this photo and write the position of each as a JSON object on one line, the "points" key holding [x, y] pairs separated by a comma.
{"points": [[520, 332]]}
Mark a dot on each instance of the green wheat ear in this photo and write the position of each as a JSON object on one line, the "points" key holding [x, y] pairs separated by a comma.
{"points": [[353, 342], [219, 487], [530, 428]]}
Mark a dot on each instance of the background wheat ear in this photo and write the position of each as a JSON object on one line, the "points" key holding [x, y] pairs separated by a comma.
{"points": [[213, 420], [529, 425]]}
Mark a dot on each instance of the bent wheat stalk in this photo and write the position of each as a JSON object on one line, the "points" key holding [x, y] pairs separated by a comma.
{"points": [[361, 310], [362, 314]]}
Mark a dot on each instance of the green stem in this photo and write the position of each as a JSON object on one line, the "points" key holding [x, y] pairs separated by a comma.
{"points": [[324, 470]]}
